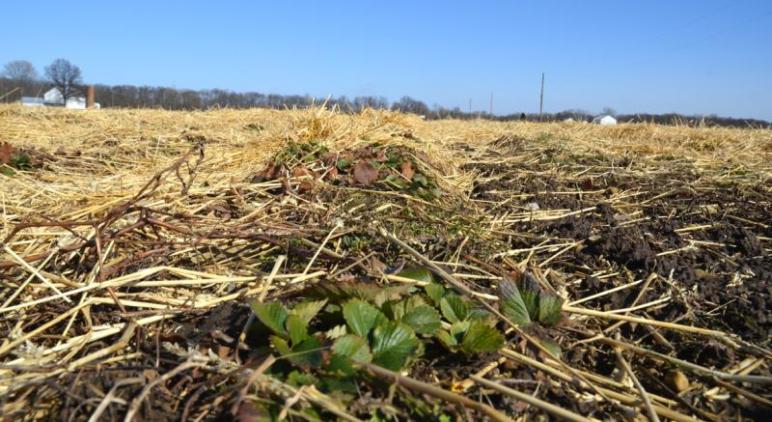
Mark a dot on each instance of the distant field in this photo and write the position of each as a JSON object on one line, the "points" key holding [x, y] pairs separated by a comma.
{"points": [[603, 271]]}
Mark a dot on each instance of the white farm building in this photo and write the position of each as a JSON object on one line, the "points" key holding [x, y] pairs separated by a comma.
{"points": [[605, 120], [53, 98]]}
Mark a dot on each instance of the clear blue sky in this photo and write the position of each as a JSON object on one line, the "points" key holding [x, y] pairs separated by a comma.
{"points": [[635, 56]]}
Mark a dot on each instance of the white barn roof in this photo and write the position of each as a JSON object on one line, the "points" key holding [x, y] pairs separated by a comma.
{"points": [[605, 120], [53, 96]]}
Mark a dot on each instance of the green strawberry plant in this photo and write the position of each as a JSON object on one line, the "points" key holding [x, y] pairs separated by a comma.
{"points": [[390, 327], [324, 342]]}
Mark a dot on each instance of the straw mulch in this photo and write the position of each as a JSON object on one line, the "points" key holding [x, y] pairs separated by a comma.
{"points": [[133, 242]]}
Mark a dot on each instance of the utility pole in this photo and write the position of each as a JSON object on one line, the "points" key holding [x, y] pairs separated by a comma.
{"points": [[541, 97], [470, 106], [490, 111]]}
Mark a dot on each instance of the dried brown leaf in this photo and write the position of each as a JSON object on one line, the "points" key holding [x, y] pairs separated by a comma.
{"points": [[364, 173], [381, 156], [5, 153], [407, 170], [301, 171]]}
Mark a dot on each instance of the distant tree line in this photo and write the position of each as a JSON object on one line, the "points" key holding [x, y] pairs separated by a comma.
{"points": [[19, 78], [673, 119]]}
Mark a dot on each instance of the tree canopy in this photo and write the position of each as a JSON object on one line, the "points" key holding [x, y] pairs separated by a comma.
{"points": [[65, 76]]}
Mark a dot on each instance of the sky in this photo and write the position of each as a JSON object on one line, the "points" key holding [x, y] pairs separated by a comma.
{"points": [[692, 57]]}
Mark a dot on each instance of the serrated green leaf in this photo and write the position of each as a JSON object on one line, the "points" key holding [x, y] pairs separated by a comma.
{"points": [[423, 319], [454, 308], [343, 163], [393, 345], [479, 313], [353, 347], [336, 332], [297, 379], [272, 315], [381, 320], [457, 329], [447, 339], [531, 301], [360, 316], [435, 292], [297, 328], [481, 338], [395, 182], [549, 309], [340, 365], [381, 298], [413, 302], [309, 309], [307, 354], [512, 305], [420, 180], [420, 274], [281, 345], [395, 309]]}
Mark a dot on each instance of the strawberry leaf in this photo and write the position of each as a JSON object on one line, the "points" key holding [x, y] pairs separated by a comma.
{"points": [[512, 304], [272, 315], [361, 316], [393, 345]]}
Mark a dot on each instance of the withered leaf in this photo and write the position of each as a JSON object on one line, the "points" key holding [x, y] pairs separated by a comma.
{"points": [[301, 171], [407, 170], [332, 173], [268, 173], [246, 411], [5, 153], [364, 173], [381, 156], [305, 186]]}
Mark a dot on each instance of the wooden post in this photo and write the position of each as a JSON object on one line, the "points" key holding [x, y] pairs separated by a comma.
{"points": [[90, 96]]}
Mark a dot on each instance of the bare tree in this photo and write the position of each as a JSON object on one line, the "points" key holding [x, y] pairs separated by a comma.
{"points": [[410, 105], [20, 70], [65, 76], [608, 111]]}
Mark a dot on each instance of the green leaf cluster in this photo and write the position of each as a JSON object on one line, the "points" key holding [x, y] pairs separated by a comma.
{"points": [[527, 304], [290, 330], [390, 326], [300, 153], [18, 161], [471, 330]]}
